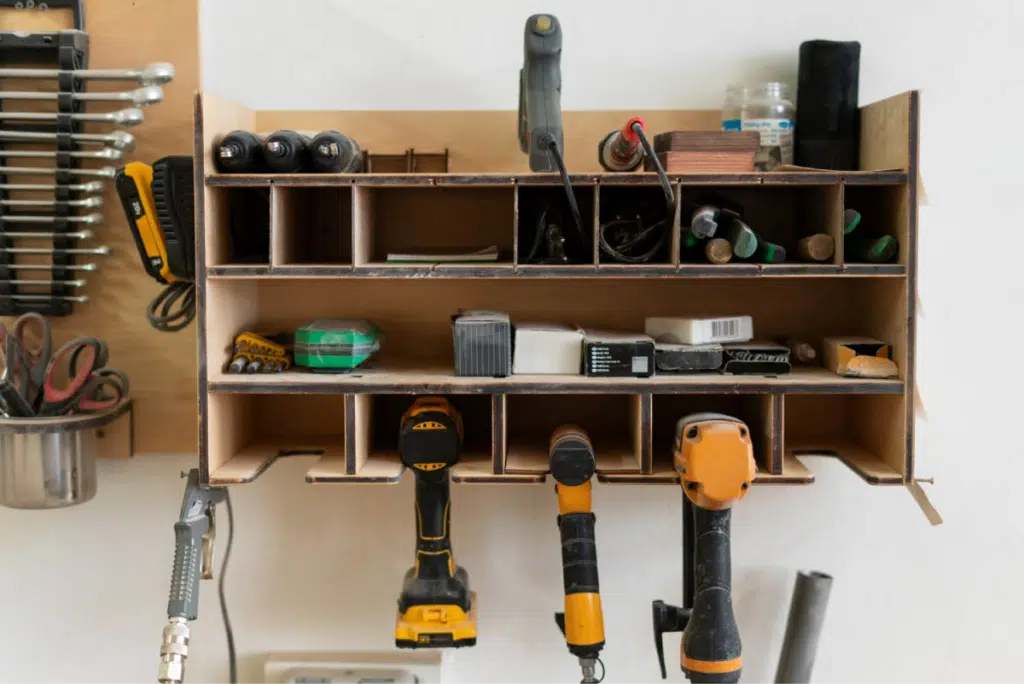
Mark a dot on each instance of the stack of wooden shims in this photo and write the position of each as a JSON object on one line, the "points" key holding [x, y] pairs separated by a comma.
{"points": [[705, 151]]}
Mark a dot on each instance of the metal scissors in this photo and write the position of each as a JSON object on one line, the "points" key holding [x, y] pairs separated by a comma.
{"points": [[37, 355], [14, 380], [89, 387]]}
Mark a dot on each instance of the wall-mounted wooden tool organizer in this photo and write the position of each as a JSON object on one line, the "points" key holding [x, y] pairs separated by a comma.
{"points": [[162, 366], [326, 238]]}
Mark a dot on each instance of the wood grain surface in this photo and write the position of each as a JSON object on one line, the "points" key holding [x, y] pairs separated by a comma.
{"points": [[162, 366]]}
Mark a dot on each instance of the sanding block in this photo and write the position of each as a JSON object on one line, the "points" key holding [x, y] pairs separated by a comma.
{"points": [[687, 358], [700, 330]]}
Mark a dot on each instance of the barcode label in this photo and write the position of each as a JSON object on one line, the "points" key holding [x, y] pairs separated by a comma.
{"points": [[727, 328]]}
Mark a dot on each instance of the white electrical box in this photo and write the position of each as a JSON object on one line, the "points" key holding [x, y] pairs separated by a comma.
{"points": [[412, 667]]}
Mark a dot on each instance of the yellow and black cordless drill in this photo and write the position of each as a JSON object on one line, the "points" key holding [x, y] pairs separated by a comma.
{"points": [[572, 461], [715, 460], [436, 608]]}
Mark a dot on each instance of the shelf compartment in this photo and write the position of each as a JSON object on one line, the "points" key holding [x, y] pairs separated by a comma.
{"points": [[614, 423], [783, 215], [645, 204], [311, 225], [884, 210], [857, 429], [756, 410], [413, 220], [238, 226], [376, 422], [415, 315], [537, 202], [246, 433]]}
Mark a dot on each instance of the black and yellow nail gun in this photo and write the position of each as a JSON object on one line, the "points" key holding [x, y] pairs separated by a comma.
{"points": [[159, 203]]}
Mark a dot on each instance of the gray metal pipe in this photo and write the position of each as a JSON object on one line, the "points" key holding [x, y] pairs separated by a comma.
{"points": [[803, 627]]}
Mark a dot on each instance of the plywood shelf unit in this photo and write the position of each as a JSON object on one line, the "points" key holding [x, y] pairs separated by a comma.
{"points": [[320, 251]]}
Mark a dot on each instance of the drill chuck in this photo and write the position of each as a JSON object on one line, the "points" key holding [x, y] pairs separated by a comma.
{"points": [[173, 652]]}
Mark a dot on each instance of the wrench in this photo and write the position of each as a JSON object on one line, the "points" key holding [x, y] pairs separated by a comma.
{"points": [[157, 73], [108, 153], [90, 220], [96, 251], [51, 267], [88, 202], [108, 172], [140, 97], [119, 140], [122, 117], [24, 235], [91, 186], [46, 298], [44, 283]]}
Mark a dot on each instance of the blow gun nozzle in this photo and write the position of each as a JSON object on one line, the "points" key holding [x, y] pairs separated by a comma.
{"points": [[620, 150]]}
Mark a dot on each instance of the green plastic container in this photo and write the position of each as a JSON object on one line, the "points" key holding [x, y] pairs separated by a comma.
{"points": [[327, 345]]}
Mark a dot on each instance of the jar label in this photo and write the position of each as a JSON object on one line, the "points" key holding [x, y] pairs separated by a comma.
{"points": [[731, 125], [774, 132]]}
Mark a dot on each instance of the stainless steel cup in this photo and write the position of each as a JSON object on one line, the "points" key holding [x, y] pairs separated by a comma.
{"points": [[47, 468]]}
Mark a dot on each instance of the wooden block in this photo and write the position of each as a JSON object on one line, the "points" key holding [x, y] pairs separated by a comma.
{"points": [[727, 161], [706, 141]]}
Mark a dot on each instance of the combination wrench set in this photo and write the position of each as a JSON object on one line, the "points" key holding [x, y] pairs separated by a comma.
{"points": [[62, 139]]}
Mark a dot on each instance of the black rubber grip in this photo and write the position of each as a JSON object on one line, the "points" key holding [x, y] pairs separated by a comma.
{"points": [[579, 553], [433, 525], [711, 635]]}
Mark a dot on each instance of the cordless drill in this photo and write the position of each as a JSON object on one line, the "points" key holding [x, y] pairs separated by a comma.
{"points": [[715, 460], [193, 555], [436, 608], [572, 461]]}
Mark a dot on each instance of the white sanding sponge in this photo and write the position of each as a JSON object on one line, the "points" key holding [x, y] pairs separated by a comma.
{"points": [[700, 330]]}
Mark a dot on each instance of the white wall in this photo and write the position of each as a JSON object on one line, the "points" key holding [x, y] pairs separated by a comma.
{"points": [[320, 568]]}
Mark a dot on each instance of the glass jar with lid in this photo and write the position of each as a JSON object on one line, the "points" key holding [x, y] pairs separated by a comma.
{"points": [[767, 109]]}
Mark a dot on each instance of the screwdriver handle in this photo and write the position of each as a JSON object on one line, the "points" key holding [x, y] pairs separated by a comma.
{"points": [[433, 526], [711, 646]]}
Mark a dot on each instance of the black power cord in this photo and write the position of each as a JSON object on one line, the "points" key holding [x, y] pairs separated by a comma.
{"points": [[174, 308], [228, 631], [632, 233], [570, 195]]}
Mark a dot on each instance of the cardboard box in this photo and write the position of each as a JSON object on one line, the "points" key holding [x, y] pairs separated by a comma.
{"points": [[618, 355], [547, 349], [859, 357], [755, 358], [483, 344]]}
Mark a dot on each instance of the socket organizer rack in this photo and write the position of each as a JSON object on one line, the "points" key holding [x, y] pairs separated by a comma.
{"points": [[22, 287], [325, 240]]}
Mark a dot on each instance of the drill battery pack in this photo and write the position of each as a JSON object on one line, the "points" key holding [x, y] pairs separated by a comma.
{"points": [[437, 626], [159, 203]]}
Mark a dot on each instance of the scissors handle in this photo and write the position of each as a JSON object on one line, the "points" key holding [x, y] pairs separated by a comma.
{"points": [[59, 400], [93, 398]]}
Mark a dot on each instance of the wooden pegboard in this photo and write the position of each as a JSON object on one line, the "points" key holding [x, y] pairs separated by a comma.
{"points": [[162, 366]]}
